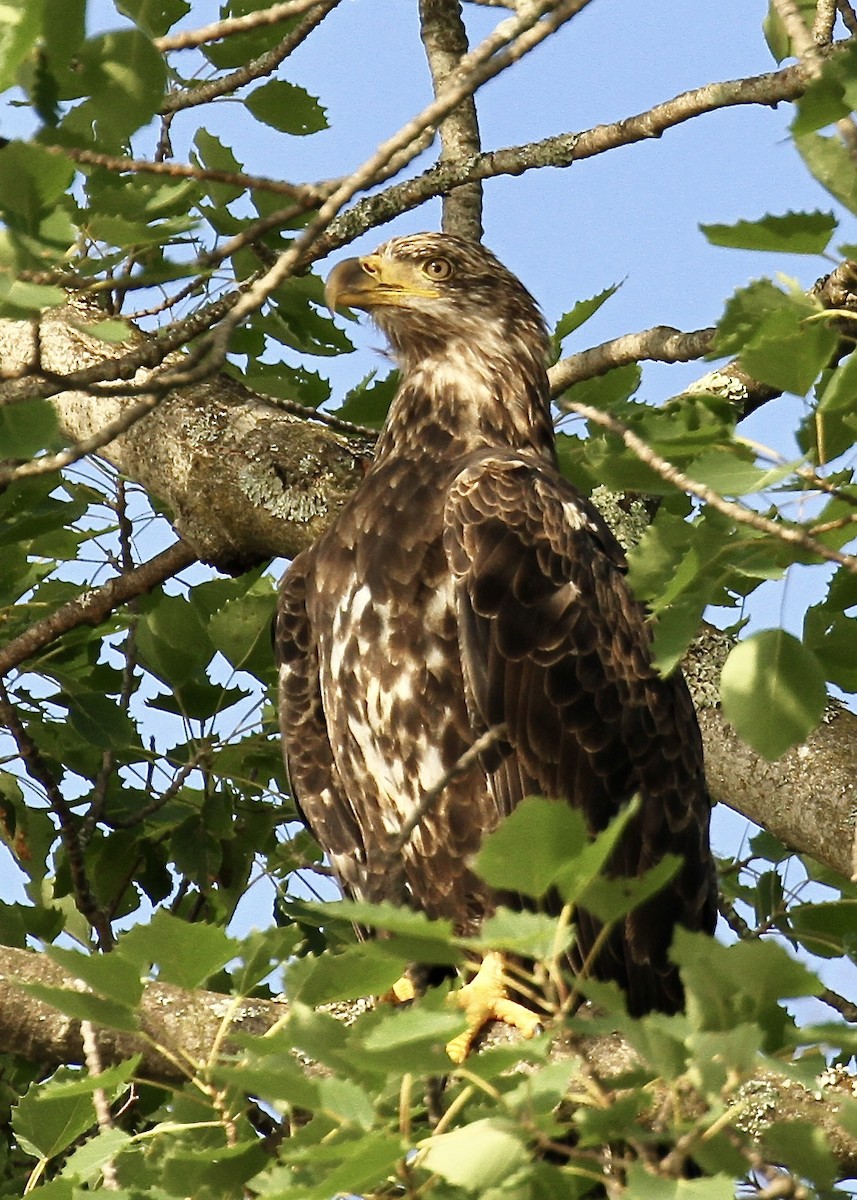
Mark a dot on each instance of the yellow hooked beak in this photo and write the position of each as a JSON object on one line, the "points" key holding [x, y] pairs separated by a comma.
{"points": [[372, 280]]}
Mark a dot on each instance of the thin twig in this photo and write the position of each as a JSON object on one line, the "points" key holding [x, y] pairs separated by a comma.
{"points": [[92, 606], [564, 149], [257, 68], [189, 39], [307, 194], [100, 1100], [792, 534], [510, 41], [39, 771], [849, 16], [430, 797]]}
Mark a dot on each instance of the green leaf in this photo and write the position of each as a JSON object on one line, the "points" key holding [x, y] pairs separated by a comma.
{"points": [[831, 163], [477, 1156], [773, 691], [241, 629], [529, 848], [642, 1185], [110, 975], [85, 1006], [155, 17], [45, 1123], [100, 721], [793, 233], [606, 391], [20, 27], [730, 472], [368, 403], [27, 428], [287, 107], [85, 1164], [32, 181], [740, 984], [184, 954], [368, 1163], [364, 970], [581, 312], [347, 1101], [804, 1149], [828, 930], [841, 387], [123, 77], [610, 899], [780, 336], [210, 1170], [532, 934]]}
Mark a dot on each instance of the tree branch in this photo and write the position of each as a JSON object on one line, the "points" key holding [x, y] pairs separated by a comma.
{"points": [[257, 68], [445, 41], [245, 481], [94, 606], [564, 149], [188, 39], [662, 343]]}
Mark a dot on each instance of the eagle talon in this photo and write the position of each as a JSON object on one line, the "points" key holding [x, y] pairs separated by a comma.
{"points": [[401, 992], [485, 999]]}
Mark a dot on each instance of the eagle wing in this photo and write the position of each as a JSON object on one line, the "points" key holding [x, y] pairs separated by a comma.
{"points": [[321, 799], [554, 647]]}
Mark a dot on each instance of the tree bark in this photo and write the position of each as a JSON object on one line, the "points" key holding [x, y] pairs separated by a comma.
{"points": [[244, 482]]}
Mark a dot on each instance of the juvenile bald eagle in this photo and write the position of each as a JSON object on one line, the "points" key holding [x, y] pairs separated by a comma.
{"points": [[465, 586]]}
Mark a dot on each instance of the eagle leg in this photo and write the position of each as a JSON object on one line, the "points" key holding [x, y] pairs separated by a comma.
{"points": [[485, 999]]}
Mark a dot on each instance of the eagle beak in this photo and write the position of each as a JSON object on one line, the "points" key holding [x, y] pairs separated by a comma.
{"points": [[372, 280]]}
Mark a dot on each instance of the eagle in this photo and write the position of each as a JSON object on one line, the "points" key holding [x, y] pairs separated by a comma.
{"points": [[467, 591]]}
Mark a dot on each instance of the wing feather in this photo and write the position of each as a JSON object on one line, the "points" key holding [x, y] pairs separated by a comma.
{"points": [[318, 791], [553, 645]]}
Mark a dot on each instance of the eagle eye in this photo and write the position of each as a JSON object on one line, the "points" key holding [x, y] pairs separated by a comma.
{"points": [[437, 268]]}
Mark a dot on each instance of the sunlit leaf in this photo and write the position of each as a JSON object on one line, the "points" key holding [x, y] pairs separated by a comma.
{"points": [[793, 233], [773, 691]]}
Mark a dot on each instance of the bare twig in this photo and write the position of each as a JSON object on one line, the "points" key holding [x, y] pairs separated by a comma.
{"points": [[306, 194], [849, 16], [39, 771], [215, 32], [564, 149], [662, 343], [445, 41], [93, 606], [257, 68], [430, 797], [510, 41]]}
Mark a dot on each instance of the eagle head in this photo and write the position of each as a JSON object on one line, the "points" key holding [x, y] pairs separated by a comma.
{"points": [[428, 291]]}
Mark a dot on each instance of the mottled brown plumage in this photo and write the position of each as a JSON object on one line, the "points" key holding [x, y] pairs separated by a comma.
{"points": [[464, 586]]}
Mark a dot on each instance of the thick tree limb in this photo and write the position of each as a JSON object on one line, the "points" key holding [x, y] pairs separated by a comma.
{"points": [[179, 1027], [807, 798], [244, 481]]}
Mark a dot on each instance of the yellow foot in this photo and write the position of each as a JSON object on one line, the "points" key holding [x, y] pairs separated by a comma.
{"points": [[485, 999], [401, 992]]}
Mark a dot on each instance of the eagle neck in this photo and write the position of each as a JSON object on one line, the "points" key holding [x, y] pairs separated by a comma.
{"points": [[463, 398]]}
